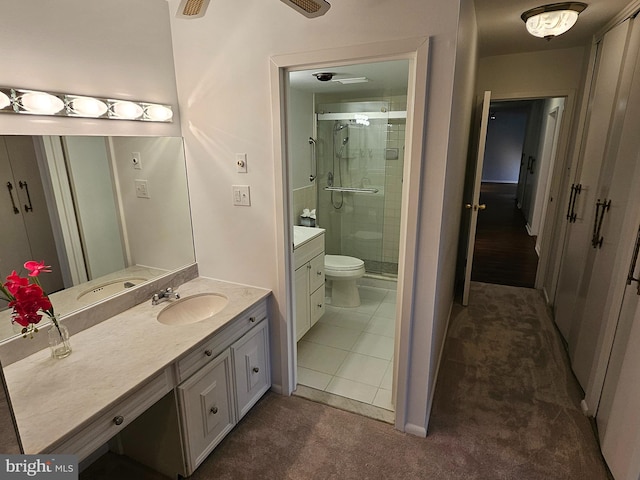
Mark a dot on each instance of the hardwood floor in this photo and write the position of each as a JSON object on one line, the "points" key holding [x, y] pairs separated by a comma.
{"points": [[504, 252]]}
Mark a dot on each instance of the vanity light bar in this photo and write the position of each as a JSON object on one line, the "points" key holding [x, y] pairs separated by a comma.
{"points": [[32, 102]]}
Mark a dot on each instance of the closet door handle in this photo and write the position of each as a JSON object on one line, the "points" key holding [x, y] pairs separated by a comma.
{"points": [[532, 162], [569, 205], [16, 210], [578, 191], [597, 239], [27, 208], [634, 261]]}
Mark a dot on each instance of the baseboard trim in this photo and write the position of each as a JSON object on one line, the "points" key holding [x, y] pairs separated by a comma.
{"points": [[417, 430], [277, 388]]}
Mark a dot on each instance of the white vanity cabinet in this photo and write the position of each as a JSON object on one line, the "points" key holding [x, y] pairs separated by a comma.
{"points": [[207, 409], [225, 377], [309, 282]]}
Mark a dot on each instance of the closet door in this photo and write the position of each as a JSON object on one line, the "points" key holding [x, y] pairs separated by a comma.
{"points": [[40, 243], [13, 236], [617, 418], [610, 54], [615, 199]]}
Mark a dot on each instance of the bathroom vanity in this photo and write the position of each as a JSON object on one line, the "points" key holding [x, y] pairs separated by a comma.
{"points": [[167, 393], [308, 257]]}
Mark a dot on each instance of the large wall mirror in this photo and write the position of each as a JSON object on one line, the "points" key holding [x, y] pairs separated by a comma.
{"points": [[107, 213]]}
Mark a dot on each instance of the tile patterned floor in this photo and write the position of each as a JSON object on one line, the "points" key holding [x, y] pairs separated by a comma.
{"points": [[349, 352]]}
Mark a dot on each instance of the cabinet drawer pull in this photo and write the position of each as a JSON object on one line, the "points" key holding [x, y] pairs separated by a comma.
{"points": [[256, 369], [214, 410], [319, 272], [118, 420], [319, 305], [252, 319], [208, 353]]}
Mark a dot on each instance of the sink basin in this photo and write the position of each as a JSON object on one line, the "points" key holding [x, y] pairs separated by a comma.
{"points": [[192, 309], [104, 290]]}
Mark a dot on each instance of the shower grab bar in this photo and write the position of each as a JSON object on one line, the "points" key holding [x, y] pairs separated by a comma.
{"points": [[314, 160], [351, 190]]}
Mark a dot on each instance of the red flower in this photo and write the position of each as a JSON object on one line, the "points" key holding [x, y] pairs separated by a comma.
{"points": [[15, 282], [36, 267], [28, 300]]}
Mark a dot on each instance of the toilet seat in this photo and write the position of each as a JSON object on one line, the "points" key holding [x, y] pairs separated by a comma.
{"points": [[343, 266]]}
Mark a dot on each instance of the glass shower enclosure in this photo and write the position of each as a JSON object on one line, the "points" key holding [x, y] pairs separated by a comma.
{"points": [[360, 150]]}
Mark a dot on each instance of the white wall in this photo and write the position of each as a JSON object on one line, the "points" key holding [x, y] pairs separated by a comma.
{"points": [[117, 49], [222, 67], [158, 228], [449, 208]]}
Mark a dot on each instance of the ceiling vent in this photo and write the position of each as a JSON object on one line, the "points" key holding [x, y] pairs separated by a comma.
{"points": [[309, 8], [192, 8]]}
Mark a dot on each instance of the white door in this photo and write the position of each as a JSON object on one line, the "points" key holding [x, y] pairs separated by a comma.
{"points": [[617, 418], [474, 202], [583, 198]]}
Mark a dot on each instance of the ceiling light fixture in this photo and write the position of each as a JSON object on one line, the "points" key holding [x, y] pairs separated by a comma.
{"points": [[16, 100], [549, 21]]}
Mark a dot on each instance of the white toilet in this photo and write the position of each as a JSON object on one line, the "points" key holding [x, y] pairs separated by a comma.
{"points": [[343, 272]]}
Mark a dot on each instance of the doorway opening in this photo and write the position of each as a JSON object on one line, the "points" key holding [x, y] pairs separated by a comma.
{"points": [[520, 150], [346, 138]]}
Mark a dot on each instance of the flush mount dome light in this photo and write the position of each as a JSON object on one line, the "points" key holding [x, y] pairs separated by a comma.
{"points": [[87, 107], [549, 21], [40, 103]]}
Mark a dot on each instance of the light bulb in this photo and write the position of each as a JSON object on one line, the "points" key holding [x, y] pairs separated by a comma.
{"points": [[41, 103], [158, 113], [127, 110], [88, 107]]}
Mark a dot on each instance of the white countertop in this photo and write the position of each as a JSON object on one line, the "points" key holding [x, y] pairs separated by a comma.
{"points": [[302, 235], [52, 398]]}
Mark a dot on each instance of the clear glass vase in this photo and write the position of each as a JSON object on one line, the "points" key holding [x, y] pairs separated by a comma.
{"points": [[59, 340]]}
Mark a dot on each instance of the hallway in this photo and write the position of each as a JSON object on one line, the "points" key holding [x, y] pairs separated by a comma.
{"points": [[506, 407], [504, 252]]}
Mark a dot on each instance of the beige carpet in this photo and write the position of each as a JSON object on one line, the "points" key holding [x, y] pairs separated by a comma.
{"points": [[506, 407]]}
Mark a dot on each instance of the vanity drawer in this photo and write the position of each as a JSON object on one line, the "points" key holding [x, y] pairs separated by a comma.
{"points": [[107, 425], [306, 252], [212, 347]]}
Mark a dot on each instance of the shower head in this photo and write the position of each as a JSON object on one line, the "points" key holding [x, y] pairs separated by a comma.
{"points": [[309, 8]]}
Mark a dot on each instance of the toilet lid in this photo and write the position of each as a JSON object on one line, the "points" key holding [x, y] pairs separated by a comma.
{"points": [[342, 262]]}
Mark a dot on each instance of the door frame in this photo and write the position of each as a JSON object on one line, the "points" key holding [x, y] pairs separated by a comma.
{"points": [[416, 50], [559, 179]]}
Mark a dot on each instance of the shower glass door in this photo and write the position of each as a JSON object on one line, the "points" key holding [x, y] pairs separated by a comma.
{"points": [[354, 161]]}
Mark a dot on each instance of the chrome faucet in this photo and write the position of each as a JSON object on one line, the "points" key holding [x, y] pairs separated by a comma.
{"points": [[163, 295]]}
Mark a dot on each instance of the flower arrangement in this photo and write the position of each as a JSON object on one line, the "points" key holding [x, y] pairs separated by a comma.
{"points": [[27, 298]]}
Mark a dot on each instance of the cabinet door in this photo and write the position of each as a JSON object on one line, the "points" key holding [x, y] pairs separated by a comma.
{"points": [[251, 367], [316, 305], [316, 273], [302, 300], [206, 401]]}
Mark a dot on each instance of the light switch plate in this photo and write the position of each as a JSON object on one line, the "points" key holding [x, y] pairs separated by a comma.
{"points": [[241, 195], [142, 189]]}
